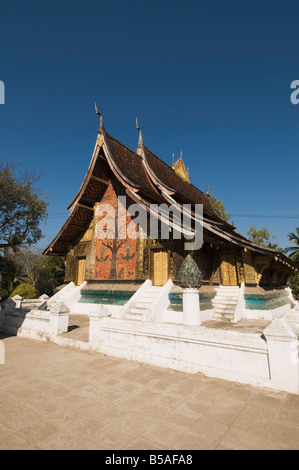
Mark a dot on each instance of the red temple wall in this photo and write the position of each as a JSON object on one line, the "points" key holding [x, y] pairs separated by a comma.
{"points": [[115, 258]]}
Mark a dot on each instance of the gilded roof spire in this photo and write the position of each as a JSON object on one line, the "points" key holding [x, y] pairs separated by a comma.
{"points": [[179, 167], [102, 128], [140, 146]]}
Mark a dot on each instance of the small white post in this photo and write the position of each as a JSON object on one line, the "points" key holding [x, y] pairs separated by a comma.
{"points": [[283, 355], [59, 319], [191, 307], [17, 300]]}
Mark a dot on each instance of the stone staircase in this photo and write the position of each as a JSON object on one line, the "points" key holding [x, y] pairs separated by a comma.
{"points": [[144, 302], [225, 303], [67, 295]]}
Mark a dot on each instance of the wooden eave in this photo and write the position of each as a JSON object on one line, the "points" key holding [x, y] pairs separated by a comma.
{"points": [[75, 225], [88, 177]]}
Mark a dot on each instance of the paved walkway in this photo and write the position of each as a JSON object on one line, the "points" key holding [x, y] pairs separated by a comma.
{"points": [[54, 397]]}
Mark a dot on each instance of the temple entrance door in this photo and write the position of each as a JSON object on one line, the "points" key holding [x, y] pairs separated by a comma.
{"points": [[228, 270], [159, 263], [81, 267]]}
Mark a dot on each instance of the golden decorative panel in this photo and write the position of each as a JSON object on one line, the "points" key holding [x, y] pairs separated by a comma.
{"points": [[228, 270], [81, 267], [100, 141], [249, 269], [87, 235], [159, 262]]}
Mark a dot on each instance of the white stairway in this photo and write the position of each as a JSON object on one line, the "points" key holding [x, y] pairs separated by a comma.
{"points": [[225, 303], [144, 301], [68, 295]]}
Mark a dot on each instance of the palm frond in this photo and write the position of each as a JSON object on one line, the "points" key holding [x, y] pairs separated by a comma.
{"points": [[291, 248], [295, 256], [293, 237]]}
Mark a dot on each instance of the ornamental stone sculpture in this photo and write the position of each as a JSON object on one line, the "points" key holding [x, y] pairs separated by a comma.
{"points": [[190, 279], [189, 276]]}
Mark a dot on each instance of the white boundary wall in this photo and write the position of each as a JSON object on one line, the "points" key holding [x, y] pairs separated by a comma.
{"points": [[268, 360], [36, 324]]}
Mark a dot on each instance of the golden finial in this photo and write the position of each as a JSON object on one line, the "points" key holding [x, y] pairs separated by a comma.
{"points": [[140, 145], [101, 117]]}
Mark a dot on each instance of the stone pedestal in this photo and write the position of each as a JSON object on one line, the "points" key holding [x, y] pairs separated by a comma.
{"points": [[191, 307], [283, 350], [59, 319], [18, 301]]}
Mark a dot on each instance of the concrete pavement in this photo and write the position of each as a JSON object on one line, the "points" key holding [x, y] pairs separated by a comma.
{"points": [[54, 397]]}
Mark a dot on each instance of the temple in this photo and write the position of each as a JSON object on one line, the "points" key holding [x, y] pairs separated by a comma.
{"points": [[119, 264]]}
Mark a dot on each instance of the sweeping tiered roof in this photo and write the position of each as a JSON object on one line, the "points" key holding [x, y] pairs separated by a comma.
{"points": [[146, 180]]}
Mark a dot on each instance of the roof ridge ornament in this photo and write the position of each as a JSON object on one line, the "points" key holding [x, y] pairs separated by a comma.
{"points": [[102, 128], [140, 146], [179, 167]]}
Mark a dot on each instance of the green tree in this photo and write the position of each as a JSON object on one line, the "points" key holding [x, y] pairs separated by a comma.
{"points": [[11, 274], [22, 208], [52, 270], [294, 283], [45, 273], [294, 238], [26, 291], [260, 237], [273, 246], [219, 207]]}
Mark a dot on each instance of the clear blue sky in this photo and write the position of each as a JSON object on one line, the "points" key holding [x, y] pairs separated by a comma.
{"points": [[209, 77]]}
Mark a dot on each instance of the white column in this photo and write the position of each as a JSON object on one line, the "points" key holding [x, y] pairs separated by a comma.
{"points": [[191, 307]]}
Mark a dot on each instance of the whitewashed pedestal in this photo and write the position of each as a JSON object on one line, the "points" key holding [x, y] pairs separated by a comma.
{"points": [[191, 307]]}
